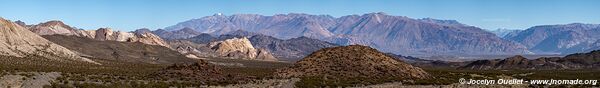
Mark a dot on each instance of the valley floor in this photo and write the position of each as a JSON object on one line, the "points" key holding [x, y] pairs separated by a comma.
{"points": [[112, 75]]}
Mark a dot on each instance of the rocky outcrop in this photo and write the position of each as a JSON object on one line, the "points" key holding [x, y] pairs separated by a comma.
{"points": [[354, 61], [193, 50], [105, 34], [145, 37], [240, 48], [19, 42]]}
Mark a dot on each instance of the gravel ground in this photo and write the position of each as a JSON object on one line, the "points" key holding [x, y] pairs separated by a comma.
{"points": [[37, 80], [271, 83]]}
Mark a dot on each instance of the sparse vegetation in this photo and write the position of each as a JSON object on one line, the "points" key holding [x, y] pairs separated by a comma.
{"points": [[116, 74]]}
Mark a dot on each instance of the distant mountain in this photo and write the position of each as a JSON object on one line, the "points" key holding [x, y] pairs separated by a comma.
{"points": [[283, 26], [403, 35], [562, 39], [442, 22], [505, 32], [178, 34], [396, 34], [17, 41], [590, 60]]}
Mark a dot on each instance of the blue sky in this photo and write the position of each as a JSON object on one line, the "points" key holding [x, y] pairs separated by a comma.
{"points": [[129, 15]]}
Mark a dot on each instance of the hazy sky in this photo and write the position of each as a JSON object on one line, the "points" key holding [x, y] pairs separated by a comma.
{"points": [[133, 14]]}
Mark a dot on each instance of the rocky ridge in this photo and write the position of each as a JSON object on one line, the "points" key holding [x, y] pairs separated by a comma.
{"points": [[17, 41], [60, 28], [395, 34], [559, 39]]}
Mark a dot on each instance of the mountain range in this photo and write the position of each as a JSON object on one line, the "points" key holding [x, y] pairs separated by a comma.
{"points": [[286, 50], [395, 34], [559, 39]]}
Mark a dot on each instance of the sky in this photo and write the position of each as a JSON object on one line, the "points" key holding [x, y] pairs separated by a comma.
{"points": [[128, 15]]}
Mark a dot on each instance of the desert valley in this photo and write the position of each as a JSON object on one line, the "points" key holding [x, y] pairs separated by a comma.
{"points": [[293, 50], [299, 44]]}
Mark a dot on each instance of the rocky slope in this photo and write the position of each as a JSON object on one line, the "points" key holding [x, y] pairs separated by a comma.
{"points": [[240, 48], [119, 51], [107, 34], [17, 41], [59, 28], [589, 60], [561, 39], [396, 34], [348, 62], [54, 27], [403, 35]]}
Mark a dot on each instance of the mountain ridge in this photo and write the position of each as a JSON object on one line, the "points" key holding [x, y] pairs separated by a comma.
{"points": [[373, 29]]}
